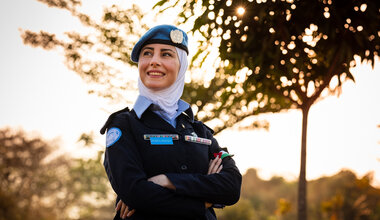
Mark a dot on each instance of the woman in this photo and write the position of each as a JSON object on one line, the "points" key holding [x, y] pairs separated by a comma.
{"points": [[161, 163]]}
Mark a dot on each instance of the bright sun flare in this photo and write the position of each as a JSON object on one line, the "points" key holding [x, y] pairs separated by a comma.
{"points": [[240, 10]]}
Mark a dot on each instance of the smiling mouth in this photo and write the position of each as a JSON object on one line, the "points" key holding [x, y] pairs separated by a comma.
{"points": [[156, 74]]}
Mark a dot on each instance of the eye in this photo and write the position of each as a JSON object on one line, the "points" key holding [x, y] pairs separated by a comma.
{"points": [[147, 53], [167, 54]]}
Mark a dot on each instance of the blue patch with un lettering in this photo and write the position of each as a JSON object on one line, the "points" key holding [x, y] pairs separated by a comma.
{"points": [[113, 135]]}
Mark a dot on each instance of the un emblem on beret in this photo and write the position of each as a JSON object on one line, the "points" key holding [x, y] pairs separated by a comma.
{"points": [[176, 36]]}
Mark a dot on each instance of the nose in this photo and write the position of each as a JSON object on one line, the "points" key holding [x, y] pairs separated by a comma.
{"points": [[155, 61]]}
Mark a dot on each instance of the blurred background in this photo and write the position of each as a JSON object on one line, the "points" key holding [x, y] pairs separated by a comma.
{"points": [[260, 71]]}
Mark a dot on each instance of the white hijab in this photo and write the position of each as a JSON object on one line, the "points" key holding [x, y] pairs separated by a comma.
{"points": [[167, 99]]}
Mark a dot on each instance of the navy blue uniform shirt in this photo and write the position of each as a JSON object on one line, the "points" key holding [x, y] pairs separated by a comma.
{"points": [[182, 153]]}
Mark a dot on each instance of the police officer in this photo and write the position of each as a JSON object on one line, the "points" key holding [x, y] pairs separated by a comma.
{"points": [[161, 163]]}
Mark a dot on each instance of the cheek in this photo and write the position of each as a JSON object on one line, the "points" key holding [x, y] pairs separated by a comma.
{"points": [[141, 67], [175, 70], [176, 67]]}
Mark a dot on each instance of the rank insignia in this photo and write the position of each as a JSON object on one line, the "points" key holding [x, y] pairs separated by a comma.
{"points": [[198, 140]]}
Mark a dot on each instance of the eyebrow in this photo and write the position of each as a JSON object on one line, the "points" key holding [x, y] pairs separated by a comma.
{"points": [[162, 50]]}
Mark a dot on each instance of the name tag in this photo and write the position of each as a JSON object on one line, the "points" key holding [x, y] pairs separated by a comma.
{"points": [[172, 136], [198, 140], [161, 141]]}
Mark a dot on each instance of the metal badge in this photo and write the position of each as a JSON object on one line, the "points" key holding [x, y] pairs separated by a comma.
{"points": [[198, 140], [176, 36]]}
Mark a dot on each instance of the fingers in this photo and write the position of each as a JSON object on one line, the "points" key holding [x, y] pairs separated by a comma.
{"points": [[118, 205], [215, 166], [127, 213], [131, 213], [210, 166], [220, 168], [122, 210], [124, 214]]}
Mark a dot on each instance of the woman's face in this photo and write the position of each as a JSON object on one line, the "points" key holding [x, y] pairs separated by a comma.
{"points": [[158, 66]]}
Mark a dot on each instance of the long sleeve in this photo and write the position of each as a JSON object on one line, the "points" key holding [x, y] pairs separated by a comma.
{"points": [[125, 171], [218, 188]]}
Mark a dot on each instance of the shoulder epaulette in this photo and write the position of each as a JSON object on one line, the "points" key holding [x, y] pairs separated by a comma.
{"points": [[110, 118], [210, 129]]}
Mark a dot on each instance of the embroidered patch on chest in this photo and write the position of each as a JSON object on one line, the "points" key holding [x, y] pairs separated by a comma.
{"points": [[113, 135], [198, 140]]}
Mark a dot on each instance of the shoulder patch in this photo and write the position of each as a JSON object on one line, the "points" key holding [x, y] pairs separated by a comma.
{"points": [[113, 135]]}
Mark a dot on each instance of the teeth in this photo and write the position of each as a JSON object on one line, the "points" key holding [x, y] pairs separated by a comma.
{"points": [[155, 74]]}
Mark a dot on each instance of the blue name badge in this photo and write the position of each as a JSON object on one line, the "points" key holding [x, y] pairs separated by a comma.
{"points": [[161, 140]]}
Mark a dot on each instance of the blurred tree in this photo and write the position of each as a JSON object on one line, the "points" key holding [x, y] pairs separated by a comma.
{"points": [[333, 207], [277, 55], [28, 177], [341, 196], [99, 54], [265, 196], [344, 197], [241, 211], [283, 207], [37, 183]]}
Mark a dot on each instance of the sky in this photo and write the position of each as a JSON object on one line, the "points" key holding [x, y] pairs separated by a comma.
{"points": [[40, 95]]}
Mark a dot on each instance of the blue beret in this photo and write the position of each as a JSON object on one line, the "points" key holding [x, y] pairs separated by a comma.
{"points": [[161, 34]]}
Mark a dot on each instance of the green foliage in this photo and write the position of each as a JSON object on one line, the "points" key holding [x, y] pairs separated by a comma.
{"points": [[278, 54], [240, 211], [342, 196], [275, 56], [267, 197], [36, 183]]}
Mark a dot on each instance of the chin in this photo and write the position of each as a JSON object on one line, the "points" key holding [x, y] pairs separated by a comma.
{"points": [[155, 88]]}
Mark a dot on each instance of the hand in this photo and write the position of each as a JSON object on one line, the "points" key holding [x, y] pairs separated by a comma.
{"points": [[124, 210], [215, 165], [162, 180]]}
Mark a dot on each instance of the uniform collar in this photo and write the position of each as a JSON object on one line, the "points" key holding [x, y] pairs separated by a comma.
{"points": [[142, 104]]}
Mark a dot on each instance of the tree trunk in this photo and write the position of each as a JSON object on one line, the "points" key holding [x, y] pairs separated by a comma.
{"points": [[302, 186]]}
